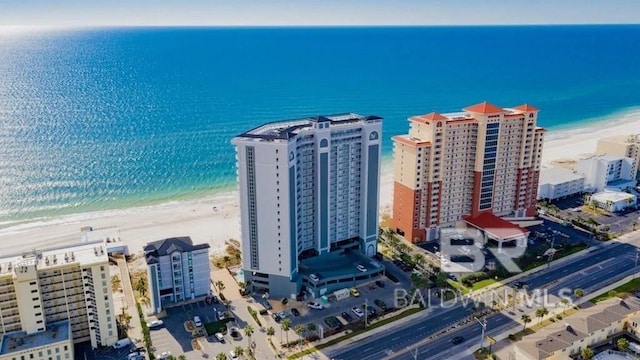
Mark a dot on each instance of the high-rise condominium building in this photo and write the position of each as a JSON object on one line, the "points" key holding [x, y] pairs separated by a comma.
{"points": [[177, 270], [483, 159], [308, 188], [52, 298]]}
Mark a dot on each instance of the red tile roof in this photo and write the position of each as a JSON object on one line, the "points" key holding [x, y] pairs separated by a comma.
{"points": [[410, 142], [526, 107], [496, 227], [484, 108], [429, 117]]}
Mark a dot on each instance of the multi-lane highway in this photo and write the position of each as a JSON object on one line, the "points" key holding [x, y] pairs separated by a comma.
{"points": [[589, 271]]}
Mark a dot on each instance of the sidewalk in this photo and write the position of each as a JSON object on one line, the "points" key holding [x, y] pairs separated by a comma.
{"points": [[135, 327]]}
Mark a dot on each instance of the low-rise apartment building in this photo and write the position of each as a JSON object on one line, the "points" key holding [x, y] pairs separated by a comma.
{"points": [[177, 271], [557, 183], [624, 146], [607, 171]]}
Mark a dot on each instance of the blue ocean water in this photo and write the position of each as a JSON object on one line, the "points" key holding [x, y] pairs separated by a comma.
{"points": [[106, 118]]}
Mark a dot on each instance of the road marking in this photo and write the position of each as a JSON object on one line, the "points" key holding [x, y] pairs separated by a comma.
{"points": [[445, 318], [395, 338]]}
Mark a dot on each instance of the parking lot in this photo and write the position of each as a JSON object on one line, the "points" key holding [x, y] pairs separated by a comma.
{"points": [[368, 293]]}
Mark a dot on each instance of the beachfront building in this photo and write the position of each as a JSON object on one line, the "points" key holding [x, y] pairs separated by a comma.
{"points": [[456, 166], [607, 172], [50, 299], [557, 183], [613, 201], [624, 146], [598, 325], [309, 203], [177, 270]]}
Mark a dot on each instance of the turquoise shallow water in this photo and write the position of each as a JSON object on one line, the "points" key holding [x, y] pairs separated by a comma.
{"points": [[107, 118]]}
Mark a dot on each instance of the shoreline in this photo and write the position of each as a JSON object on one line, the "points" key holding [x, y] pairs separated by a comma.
{"points": [[196, 218]]}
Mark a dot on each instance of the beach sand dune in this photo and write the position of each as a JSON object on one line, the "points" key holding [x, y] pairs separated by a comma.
{"points": [[216, 219]]}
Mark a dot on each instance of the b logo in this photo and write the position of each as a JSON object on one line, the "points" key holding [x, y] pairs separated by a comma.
{"points": [[373, 135]]}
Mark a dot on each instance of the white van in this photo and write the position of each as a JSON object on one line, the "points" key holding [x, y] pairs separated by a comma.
{"points": [[122, 343]]}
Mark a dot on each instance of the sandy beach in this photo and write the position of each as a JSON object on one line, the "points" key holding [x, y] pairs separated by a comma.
{"points": [[199, 220]]}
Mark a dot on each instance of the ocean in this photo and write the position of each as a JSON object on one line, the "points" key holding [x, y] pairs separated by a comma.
{"points": [[108, 118]]}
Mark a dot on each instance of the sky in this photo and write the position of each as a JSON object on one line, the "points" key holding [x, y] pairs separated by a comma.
{"points": [[65, 13]]}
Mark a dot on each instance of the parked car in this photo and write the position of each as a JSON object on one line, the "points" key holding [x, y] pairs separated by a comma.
{"points": [[122, 343], [197, 321], [354, 292], [345, 315], [164, 355], [361, 268], [282, 314], [155, 324], [314, 277], [232, 355], [276, 317], [519, 284], [380, 283], [315, 306], [220, 337], [135, 355], [381, 304], [370, 310], [295, 312], [457, 340], [356, 310]]}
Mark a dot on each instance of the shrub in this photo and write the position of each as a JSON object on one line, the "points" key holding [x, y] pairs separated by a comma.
{"points": [[512, 337], [254, 315], [145, 329], [559, 317]]}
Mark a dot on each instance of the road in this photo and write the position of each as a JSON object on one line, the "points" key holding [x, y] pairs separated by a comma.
{"points": [[589, 272]]}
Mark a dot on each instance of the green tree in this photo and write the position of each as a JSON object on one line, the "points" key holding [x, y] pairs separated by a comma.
{"points": [[578, 292], [141, 286], [270, 332], [182, 357], [221, 356], [312, 327], [239, 350], [565, 304], [441, 279], [248, 331], [285, 325], [419, 259], [587, 353], [541, 312], [220, 285], [300, 330], [525, 319], [622, 344], [115, 284]]}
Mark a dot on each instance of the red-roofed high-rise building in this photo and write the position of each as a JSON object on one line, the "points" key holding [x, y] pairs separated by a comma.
{"points": [[483, 159]]}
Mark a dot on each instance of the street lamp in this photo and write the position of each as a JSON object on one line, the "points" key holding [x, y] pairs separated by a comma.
{"points": [[482, 323], [551, 249]]}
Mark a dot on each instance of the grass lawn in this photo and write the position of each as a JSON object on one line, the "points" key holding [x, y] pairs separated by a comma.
{"points": [[483, 283], [559, 254], [623, 290]]}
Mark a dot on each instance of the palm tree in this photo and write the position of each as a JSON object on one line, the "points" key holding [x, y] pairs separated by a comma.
{"points": [[419, 259], [587, 353], [182, 357], [285, 326], [239, 350], [221, 356], [578, 292], [220, 285], [525, 319], [541, 312], [622, 344], [141, 286], [300, 329], [565, 304], [248, 331], [270, 332]]}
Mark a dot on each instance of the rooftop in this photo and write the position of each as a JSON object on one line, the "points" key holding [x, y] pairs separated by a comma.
{"points": [[496, 227], [287, 129], [556, 176], [561, 335], [613, 196], [336, 264], [468, 112], [604, 157], [85, 253], [156, 249], [20, 341]]}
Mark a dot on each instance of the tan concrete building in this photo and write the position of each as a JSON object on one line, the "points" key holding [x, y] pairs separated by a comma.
{"points": [[588, 327], [66, 285], [484, 159], [622, 145]]}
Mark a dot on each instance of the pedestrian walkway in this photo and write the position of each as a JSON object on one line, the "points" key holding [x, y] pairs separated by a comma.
{"points": [[135, 327]]}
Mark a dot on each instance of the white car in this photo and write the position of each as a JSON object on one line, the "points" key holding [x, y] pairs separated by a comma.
{"points": [[314, 277], [356, 310], [155, 324], [232, 355], [163, 355], [315, 306], [220, 337], [361, 268], [197, 321], [282, 314]]}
